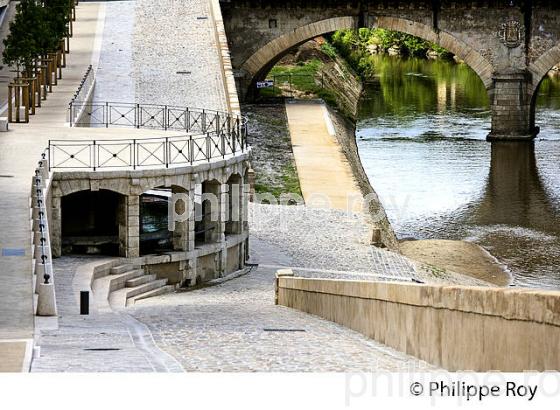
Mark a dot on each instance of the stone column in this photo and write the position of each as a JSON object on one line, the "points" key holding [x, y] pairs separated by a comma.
{"points": [[511, 106], [55, 225], [224, 203], [129, 226], [181, 226]]}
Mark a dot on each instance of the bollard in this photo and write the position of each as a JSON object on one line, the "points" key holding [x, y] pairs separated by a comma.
{"points": [[46, 300], [84, 302]]}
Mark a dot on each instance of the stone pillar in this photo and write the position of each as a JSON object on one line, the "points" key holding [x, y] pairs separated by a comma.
{"points": [[128, 217], [224, 203], [55, 225], [247, 196], [181, 232], [511, 106]]}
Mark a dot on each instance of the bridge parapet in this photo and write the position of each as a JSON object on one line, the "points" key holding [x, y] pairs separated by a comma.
{"points": [[510, 45]]}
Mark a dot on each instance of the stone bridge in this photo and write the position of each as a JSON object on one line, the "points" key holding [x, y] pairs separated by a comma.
{"points": [[510, 44]]}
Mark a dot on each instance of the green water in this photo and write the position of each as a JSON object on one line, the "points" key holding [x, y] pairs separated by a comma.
{"points": [[421, 137]]}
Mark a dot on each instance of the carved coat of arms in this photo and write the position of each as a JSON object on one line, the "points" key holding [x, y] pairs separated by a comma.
{"points": [[512, 33]]}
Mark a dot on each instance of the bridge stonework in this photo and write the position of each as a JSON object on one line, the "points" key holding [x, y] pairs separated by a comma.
{"points": [[511, 45]]}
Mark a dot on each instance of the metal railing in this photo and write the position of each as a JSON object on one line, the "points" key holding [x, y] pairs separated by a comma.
{"points": [[144, 153], [152, 116], [42, 253], [81, 96]]}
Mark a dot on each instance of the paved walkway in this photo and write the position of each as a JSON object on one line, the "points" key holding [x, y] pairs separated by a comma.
{"points": [[235, 326], [322, 167], [103, 341], [20, 149]]}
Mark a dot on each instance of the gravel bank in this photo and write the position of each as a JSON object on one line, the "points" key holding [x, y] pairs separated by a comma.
{"points": [[335, 244]]}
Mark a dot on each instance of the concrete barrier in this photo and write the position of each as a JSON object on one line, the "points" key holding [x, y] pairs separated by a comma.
{"points": [[455, 327]]}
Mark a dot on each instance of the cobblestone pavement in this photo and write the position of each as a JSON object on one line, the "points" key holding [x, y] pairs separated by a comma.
{"points": [[101, 342], [235, 326], [162, 52], [114, 76], [175, 55], [326, 239], [330, 243]]}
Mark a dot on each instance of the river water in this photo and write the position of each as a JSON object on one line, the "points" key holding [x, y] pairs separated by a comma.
{"points": [[421, 137]]}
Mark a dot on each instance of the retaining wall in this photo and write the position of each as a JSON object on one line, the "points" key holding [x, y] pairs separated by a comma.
{"points": [[455, 327]]}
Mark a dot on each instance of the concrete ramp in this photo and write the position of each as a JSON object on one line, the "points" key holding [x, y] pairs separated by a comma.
{"points": [[325, 175]]}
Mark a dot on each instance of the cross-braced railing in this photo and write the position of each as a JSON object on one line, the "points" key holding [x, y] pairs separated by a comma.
{"points": [[144, 153], [191, 120]]}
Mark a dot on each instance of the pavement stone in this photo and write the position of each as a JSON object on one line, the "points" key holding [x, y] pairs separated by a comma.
{"points": [[235, 327]]}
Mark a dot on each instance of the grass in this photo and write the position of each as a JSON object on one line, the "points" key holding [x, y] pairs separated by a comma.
{"points": [[304, 78], [290, 183]]}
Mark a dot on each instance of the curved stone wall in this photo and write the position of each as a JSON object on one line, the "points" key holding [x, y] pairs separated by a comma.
{"points": [[190, 262]]}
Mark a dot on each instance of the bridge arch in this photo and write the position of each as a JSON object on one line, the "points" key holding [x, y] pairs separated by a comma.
{"points": [[541, 66], [539, 70], [262, 61]]}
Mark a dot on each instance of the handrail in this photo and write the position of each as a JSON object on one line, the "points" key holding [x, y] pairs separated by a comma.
{"points": [[155, 116], [81, 96], [85, 86], [42, 253], [144, 153]]}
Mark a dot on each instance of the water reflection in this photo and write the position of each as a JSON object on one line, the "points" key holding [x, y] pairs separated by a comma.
{"points": [[422, 142], [515, 194]]}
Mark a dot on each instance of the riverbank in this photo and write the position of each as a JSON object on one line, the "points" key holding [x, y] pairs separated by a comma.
{"points": [[457, 257], [448, 261]]}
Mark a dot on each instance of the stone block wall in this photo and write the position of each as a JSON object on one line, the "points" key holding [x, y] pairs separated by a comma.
{"points": [[455, 327]]}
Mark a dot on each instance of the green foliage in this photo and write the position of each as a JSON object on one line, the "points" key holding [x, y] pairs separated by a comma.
{"points": [[21, 45], [352, 45], [329, 50], [36, 30]]}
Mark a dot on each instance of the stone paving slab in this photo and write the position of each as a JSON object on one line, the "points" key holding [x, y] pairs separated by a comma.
{"points": [[236, 327], [103, 341], [20, 149]]}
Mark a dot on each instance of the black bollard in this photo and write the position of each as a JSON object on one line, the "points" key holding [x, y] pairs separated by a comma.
{"points": [[84, 302]]}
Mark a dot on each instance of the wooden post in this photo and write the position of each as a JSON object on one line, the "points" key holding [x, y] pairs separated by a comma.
{"points": [[59, 63], [44, 78], [17, 101], [38, 83], [63, 52], [10, 102], [30, 93], [25, 95], [53, 57]]}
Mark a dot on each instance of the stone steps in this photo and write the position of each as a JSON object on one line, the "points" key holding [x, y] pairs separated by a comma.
{"points": [[118, 281], [155, 292], [140, 280], [115, 270], [146, 287], [128, 295], [127, 283]]}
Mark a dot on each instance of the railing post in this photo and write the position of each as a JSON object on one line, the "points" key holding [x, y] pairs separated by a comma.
{"points": [[166, 152], [71, 120], [223, 143], [95, 156], [191, 149], [134, 154], [203, 121], [187, 120], [217, 118], [137, 116], [106, 114], [165, 118], [233, 147], [208, 147]]}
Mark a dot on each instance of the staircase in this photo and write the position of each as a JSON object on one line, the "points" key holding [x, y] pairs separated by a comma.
{"points": [[128, 283]]}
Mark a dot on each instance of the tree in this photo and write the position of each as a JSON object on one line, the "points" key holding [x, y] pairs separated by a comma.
{"points": [[21, 45]]}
